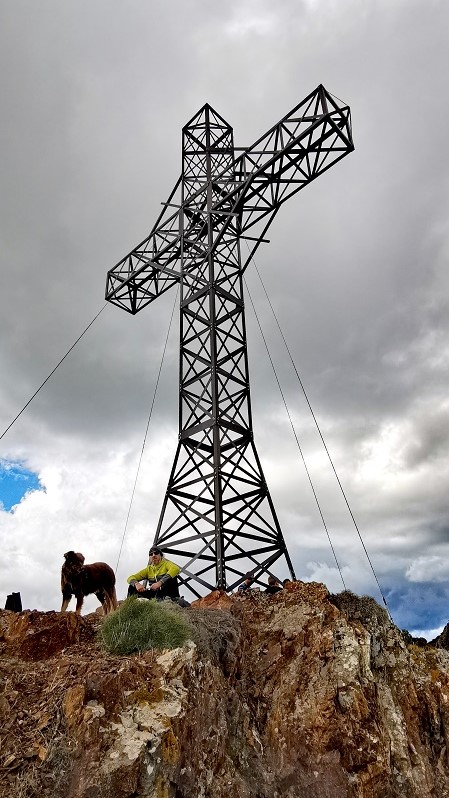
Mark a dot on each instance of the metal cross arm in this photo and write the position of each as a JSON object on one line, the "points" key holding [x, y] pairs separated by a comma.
{"points": [[245, 195], [147, 271], [310, 139]]}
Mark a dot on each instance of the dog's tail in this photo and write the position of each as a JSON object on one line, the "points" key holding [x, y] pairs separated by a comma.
{"points": [[110, 600], [113, 599]]}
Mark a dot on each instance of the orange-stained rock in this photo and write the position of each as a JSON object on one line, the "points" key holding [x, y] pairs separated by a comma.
{"points": [[217, 600], [73, 703], [37, 635], [315, 696]]}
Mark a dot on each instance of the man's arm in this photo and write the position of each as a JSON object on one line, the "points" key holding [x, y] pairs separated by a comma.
{"points": [[143, 574], [171, 570]]}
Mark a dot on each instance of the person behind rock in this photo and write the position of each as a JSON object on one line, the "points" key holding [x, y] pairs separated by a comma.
{"points": [[160, 577], [247, 582], [274, 586]]}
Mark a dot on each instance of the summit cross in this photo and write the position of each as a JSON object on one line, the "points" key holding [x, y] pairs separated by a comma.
{"points": [[217, 517]]}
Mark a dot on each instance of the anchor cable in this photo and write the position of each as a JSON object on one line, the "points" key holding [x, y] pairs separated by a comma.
{"points": [[52, 372], [323, 441], [294, 433], [147, 428]]}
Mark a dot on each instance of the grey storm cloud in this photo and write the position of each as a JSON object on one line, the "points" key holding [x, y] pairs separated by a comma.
{"points": [[94, 96]]}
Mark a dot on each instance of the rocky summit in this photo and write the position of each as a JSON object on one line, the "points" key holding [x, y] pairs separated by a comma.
{"points": [[302, 694]]}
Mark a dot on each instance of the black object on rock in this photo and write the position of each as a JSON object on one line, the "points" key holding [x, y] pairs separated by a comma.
{"points": [[14, 602]]}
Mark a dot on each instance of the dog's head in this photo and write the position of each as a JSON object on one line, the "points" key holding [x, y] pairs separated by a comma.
{"points": [[74, 560]]}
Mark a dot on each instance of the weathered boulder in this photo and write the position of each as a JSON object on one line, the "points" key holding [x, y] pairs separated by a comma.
{"points": [[33, 635]]}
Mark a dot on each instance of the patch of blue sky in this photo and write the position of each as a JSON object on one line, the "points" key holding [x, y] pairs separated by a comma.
{"points": [[15, 482]]}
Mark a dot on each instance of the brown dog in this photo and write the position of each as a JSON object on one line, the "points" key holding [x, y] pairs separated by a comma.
{"points": [[81, 580]]}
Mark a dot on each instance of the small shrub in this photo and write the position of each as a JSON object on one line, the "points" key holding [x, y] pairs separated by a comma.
{"points": [[142, 624]]}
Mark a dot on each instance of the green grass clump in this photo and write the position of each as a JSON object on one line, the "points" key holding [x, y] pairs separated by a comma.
{"points": [[142, 624]]}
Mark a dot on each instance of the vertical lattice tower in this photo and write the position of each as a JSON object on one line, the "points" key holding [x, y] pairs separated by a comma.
{"points": [[217, 492]]}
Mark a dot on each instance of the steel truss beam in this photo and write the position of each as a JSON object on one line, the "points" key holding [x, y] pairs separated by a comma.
{"points": [[218, 518]]}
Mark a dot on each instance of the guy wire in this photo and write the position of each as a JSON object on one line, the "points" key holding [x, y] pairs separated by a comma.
{"points": [[294, 433], [322, 440], [52, 372]]}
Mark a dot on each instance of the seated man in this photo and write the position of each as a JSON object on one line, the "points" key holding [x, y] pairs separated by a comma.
{"points": [[247, 582], [160, 576], [274, 586]]}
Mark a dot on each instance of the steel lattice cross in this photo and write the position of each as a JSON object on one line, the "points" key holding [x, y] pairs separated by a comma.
{"points": [[218, 519]]}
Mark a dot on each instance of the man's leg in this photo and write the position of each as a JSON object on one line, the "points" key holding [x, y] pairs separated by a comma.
{"points": [[169, 588], [148, 594]]}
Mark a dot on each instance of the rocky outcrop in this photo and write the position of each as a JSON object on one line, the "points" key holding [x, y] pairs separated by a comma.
{"points": [[297, 695], [442, 641]]}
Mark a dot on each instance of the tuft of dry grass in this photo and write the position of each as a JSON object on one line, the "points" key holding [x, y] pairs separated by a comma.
{"points": [[49, 778], [215, 632], [361, 608]]}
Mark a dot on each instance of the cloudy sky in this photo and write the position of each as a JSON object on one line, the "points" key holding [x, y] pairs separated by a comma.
{"points": [[93, 98]]}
